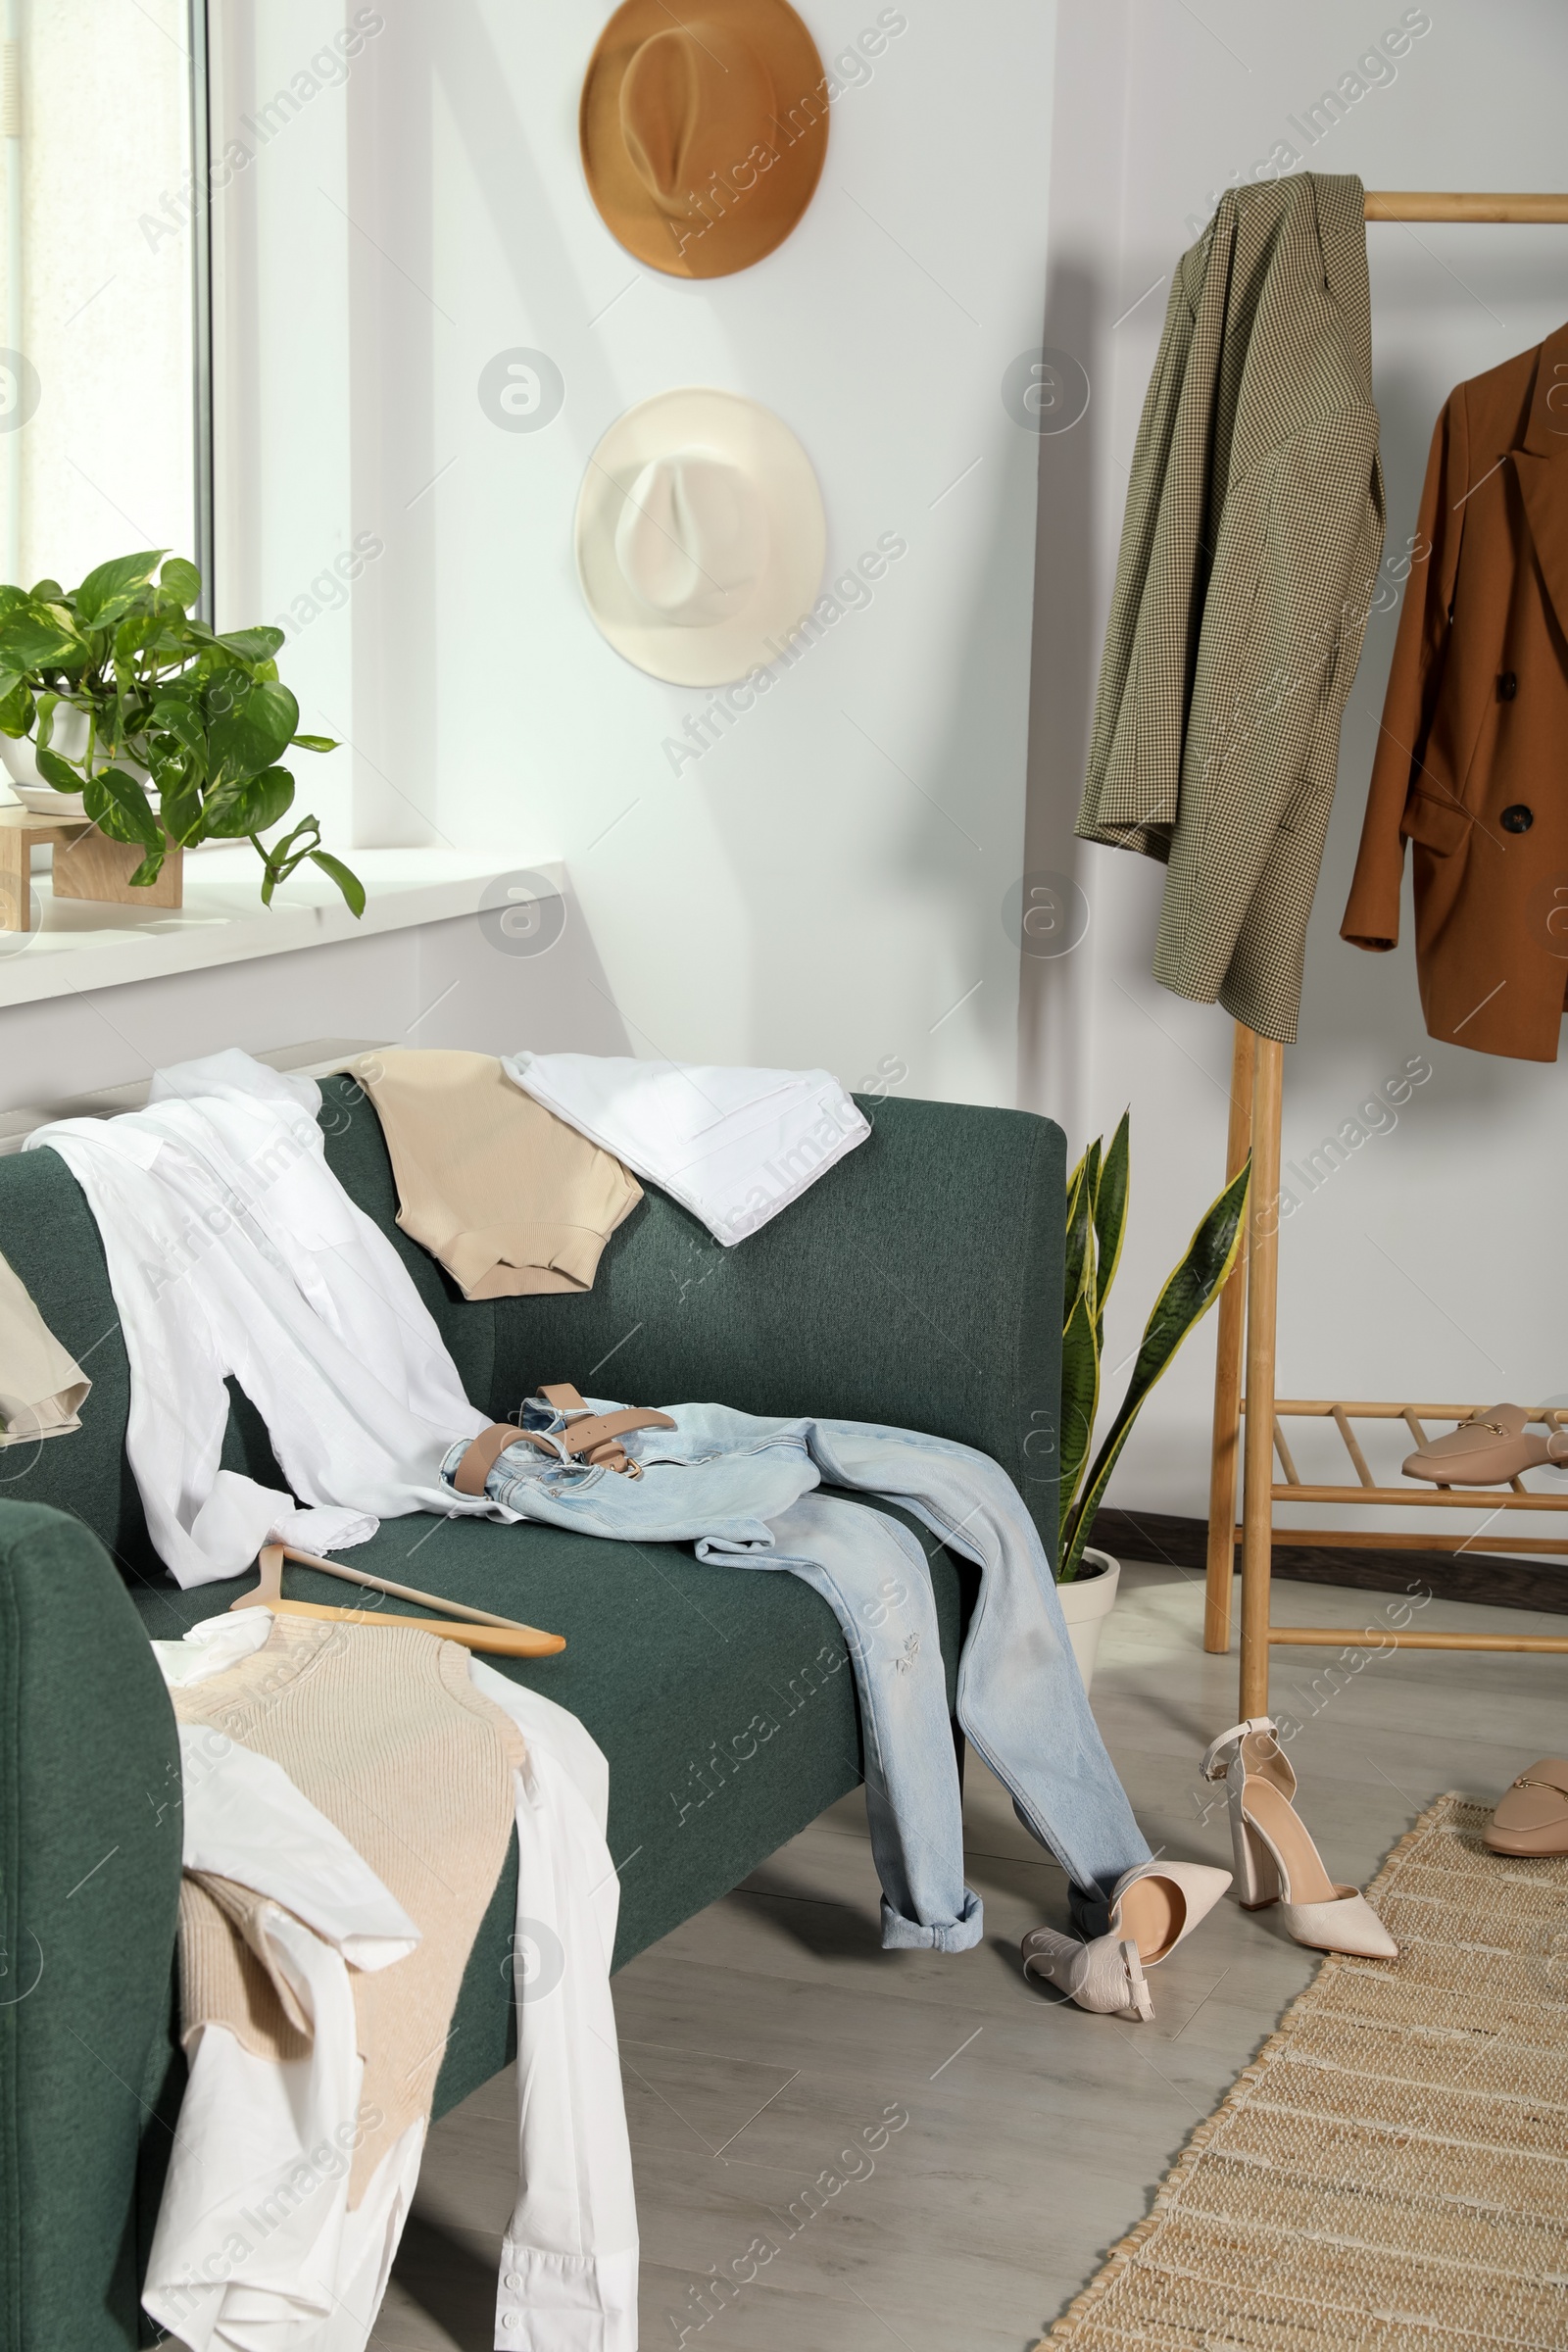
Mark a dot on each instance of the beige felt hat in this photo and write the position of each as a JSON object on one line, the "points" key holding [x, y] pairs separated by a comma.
{"points": [[699, 535], [703, 133]]}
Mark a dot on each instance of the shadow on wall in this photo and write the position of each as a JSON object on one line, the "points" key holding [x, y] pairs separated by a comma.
{"points": [[392, 179], [1065, 656], [949, 839]]}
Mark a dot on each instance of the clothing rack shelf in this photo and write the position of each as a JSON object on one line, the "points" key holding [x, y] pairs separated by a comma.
{"points": [[1249, 1310]]}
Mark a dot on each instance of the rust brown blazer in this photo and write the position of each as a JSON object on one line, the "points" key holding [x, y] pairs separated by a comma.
{"points": [[1472, 761]]}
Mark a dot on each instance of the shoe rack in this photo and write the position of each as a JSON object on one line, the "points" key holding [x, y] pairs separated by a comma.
{"points": [[1251, 1422]]}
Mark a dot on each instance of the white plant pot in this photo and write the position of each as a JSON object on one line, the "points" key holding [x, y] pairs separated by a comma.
{"points": [[1086, 1604], [67, 737]]}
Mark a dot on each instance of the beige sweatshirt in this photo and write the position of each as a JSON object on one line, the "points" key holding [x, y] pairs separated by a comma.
{"points": [[41, 1388], [381, 1729], [508, 1197]]}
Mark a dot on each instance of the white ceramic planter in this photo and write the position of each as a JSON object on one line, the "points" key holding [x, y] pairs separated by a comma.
{"points": [[1086, 1604], [69, 737]]}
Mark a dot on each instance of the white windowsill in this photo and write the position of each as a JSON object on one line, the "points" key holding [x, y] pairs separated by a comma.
{"points": [[80, 945], [316, 1058]]}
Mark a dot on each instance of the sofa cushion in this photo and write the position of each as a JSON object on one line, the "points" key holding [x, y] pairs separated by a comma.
{"points": [[722, 1698]]}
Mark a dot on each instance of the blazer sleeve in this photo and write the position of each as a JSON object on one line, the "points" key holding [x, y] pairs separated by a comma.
{"points": [[1372, 911], [1135, 750]]}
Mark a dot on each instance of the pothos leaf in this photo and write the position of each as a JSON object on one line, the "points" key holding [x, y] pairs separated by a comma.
{"points": [[118, 807], [349, 884]]}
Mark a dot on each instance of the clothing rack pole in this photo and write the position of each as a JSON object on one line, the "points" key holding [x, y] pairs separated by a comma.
{"points": [[1262, 1307], [1228, 1370], [1257, 1067]]}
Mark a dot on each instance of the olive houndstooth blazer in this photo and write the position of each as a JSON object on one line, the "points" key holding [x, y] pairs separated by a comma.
{"points": [[1249, 547]]}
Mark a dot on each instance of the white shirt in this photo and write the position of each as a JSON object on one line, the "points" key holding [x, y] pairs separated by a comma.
{"points": [[734, 1146], [232, 1248], [256, 2248]]}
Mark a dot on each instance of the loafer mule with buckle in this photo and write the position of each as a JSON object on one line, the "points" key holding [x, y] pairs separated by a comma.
{"points": [[1532, 1816], [1488, 1450]]}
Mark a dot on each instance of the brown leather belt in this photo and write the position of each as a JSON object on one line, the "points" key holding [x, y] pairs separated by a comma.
{"points": [[595, 1438]]}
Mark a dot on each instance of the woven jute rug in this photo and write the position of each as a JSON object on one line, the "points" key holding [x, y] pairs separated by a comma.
{"points": [[1392, 2170]]}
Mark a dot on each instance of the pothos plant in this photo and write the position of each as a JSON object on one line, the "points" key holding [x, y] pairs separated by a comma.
{"points": [[1097, 1221], [203, 715]]}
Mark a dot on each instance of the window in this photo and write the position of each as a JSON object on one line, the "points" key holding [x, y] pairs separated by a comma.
{"points": [[103, 370]]}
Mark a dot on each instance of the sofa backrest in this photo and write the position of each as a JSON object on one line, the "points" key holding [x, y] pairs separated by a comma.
{"points": [[918, 1284]]}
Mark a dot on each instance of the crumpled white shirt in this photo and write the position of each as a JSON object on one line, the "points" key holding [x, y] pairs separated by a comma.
{"points": [[256, 2249], [232, 1248], [734, 1146]]}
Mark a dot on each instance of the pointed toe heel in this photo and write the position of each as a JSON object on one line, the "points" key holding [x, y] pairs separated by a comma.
{"points": [[1276, 1860], [1154, 1908]]}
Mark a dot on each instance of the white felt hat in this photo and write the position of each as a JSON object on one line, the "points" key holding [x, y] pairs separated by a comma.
{"points": [[699, 535]]}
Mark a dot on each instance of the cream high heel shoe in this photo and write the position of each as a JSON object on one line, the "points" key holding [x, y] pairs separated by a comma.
{"points": [[1153, 1908], [1276, 1859]]}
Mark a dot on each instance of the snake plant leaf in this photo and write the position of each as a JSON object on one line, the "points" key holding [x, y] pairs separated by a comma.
{"points": [[1111, 1216], [1080, 1402], [1189, 1293], [1080, 1218]]}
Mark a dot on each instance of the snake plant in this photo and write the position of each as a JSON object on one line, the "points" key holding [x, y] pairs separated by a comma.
{"points": [[1097, 1221]]}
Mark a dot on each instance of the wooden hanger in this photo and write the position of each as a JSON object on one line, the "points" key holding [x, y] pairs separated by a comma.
{"points": [[503, 1635]]}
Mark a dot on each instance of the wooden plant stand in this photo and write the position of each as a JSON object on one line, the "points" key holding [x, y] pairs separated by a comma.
{"points": [[87, 865]]}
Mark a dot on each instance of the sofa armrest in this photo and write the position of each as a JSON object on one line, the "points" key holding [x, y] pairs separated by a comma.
{"points": [[90, 1849], [918, 1284]]}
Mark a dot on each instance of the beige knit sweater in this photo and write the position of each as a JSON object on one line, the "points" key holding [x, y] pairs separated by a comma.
{"points": [[508, 1197], [381, 1729]]}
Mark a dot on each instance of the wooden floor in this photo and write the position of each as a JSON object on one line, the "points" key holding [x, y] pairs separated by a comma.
{"points": [[763, 2036]]}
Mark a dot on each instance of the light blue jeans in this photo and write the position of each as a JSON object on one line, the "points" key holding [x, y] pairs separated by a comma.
{"points": [[743, 1492]]}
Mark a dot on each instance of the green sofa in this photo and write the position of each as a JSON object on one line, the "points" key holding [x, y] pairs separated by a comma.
{"points": [[915, 1284]]}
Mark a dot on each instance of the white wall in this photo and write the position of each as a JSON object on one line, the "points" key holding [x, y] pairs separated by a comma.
{"points": [[1432, 1264], [826, 883], [452, 983]]}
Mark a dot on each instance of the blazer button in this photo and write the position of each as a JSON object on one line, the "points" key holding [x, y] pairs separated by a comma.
{"points": [[1518, 818], [1507, 686]]}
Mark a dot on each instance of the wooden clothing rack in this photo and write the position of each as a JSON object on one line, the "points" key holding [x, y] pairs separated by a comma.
{"points": [[1247, 1316]]}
